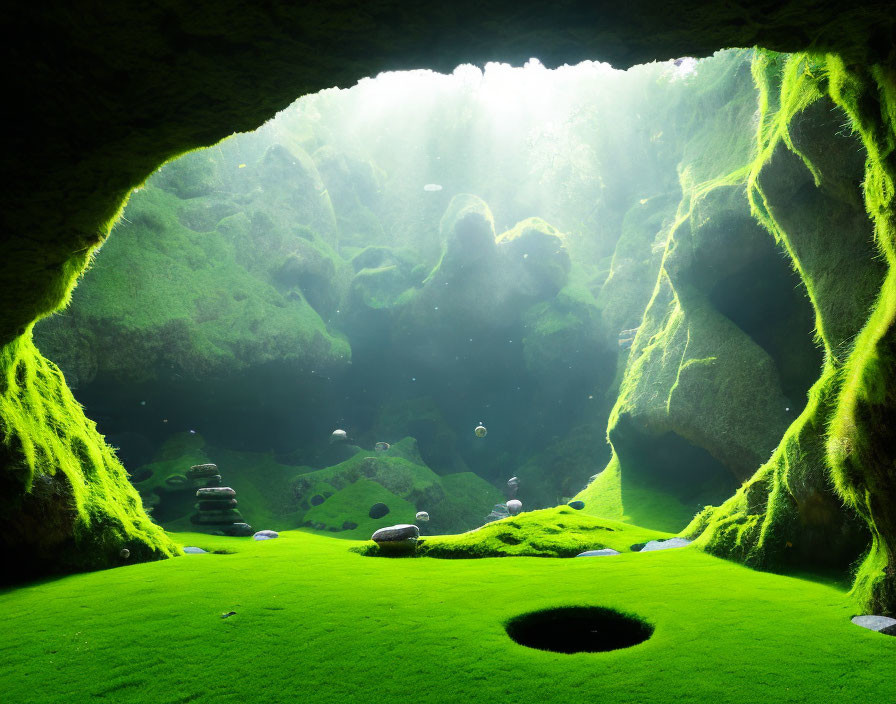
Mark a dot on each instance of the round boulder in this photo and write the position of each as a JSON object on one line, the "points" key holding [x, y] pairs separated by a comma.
{"points": [[266, 535], [577, 505], [422, 516], [400, 539], [514, 506]]}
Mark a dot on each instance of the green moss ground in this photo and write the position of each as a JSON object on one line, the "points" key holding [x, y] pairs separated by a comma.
{"points": [[316, 623]]}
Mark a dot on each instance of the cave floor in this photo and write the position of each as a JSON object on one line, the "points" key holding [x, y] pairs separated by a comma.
{"points": [[315, 622]]}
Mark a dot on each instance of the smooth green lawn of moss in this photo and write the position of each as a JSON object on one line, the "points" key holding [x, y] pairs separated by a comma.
{"points": [[317, 623]]}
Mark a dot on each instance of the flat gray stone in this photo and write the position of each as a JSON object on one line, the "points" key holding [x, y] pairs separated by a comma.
{"points": [[402, 531], [266, 535], [654, 545], [195, 551], [216, 492], [881, 624], [400, 539], [202, 470], [598, 553]]}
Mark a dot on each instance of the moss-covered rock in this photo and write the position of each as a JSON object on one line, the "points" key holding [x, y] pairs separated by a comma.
{"points": [[66, 503], [199, 283]]}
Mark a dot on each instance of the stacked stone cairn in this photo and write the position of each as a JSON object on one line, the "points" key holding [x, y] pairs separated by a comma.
{"points": [[216, 506]]}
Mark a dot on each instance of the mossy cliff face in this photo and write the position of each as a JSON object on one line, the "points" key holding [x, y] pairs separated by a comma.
{"points": [[112, 99], [805, 505], [724, 334], [839, 451], [223, 262], [66, 502]]}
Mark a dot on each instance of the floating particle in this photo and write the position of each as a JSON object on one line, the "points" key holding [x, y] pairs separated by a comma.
{"points": [[432, 187], [480, 430]]}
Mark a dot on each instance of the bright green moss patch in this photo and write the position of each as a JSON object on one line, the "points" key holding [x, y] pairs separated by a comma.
{"points": [[550, 532], [351, 505], [314, 621]]}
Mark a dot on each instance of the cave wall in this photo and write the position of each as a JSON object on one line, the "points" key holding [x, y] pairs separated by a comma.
{"points": [[811, 181], [801, 506], [106, 94]]}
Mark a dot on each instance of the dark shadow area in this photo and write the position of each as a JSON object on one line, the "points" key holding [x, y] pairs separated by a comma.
{"points": [[578, 629], [671, 464], [766, 300]]}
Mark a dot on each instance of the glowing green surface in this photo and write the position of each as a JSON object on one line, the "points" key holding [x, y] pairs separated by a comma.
{"points": [[317, 623]]}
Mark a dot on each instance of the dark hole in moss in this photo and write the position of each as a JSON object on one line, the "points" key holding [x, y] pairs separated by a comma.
{"points": [[578, 629]]}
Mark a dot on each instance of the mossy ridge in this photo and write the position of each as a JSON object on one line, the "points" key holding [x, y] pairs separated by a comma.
{"points": [[62, 481], [551, 532]]}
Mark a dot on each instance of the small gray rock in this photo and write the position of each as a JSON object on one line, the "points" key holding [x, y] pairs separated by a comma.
{"points": [[202, 470], [654, 545], [422, 516], [216, 492], [514, 506], [498, 512], [400, 539], [881, 624], [598, 553], [577, 505], [190, 550], [266, 535], [239, 530]]}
